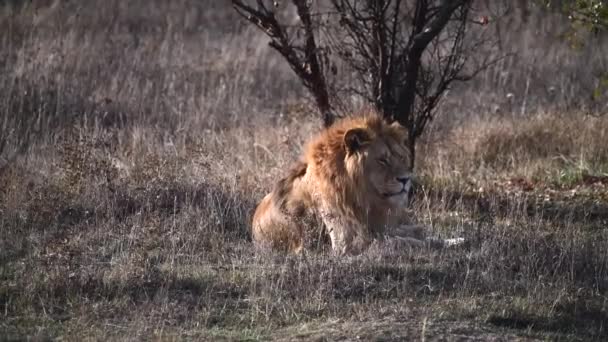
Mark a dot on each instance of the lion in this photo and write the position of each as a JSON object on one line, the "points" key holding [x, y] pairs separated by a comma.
{"points": [[352, 184]]}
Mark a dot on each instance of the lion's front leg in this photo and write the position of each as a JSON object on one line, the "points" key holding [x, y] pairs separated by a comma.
{"points": [[415, 235], [408, 235], [347, 237], [407, 241], [415, 231]]}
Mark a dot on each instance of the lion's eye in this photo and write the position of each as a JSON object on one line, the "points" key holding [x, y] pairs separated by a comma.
{"points": [[383, 161]]}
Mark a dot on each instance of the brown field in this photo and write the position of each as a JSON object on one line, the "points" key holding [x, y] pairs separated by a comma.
{"points": [[136, 137]]}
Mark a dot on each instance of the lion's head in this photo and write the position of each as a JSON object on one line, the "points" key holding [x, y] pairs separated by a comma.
{"points": [[365, 158]]}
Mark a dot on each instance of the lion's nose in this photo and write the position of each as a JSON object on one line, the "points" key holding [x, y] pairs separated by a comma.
{"points": [[403, 180]]}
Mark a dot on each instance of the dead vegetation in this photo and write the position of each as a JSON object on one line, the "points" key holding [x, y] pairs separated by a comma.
{"points": [[130, 167]]}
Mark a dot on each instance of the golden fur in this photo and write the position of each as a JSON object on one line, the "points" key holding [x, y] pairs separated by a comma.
{"points": [[352, 183]]}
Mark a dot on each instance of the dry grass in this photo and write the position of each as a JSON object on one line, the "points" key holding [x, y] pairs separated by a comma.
{"points": [[136, 140]]}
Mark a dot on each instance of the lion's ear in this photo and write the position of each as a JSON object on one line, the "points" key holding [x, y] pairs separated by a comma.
{"points": [[400, 128], [355, 139], [396, 124]]}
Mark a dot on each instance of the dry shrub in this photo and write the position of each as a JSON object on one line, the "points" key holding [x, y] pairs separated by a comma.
{"points": [[541, 146], [543, 137]]}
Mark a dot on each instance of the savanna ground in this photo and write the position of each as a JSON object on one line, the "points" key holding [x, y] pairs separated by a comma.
{"points": [[137, 136]]}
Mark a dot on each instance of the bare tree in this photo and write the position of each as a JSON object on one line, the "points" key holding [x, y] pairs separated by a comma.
{"points": [[399, 55]]}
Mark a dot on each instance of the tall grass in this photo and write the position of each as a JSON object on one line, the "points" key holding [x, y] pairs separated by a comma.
{"points": [[136, 138]]}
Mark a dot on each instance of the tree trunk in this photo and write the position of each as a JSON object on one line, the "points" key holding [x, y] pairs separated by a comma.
{"points": [[412, 149], [322, 100]]}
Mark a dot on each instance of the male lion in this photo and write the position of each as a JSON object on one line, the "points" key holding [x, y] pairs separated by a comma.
{"points": [[356, 177]]}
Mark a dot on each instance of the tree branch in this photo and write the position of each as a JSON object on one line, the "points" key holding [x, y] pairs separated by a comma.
{"points": [[307, 65]]}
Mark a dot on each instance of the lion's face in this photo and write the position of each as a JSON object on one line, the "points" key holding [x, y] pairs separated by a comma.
{"points": [[385, 161], [388, 171]]}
